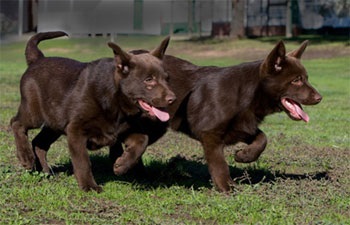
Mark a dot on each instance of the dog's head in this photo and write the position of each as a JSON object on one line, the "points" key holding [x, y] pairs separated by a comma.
{"points": [[285, 80], [143, 81]]}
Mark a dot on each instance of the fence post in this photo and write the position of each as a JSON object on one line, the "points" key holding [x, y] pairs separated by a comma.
{"points": [[20, 17], [238, 18], [288, 19]]}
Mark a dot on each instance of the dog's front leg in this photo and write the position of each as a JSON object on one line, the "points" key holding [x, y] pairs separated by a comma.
{"points": [[80, 160], [217, 165], [253, 150], [135, 146]]}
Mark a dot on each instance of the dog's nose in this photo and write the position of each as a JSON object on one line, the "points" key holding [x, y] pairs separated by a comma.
{"points": [[170, 99], [318, 98]]}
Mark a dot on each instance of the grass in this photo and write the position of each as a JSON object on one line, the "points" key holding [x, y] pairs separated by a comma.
{"points": [[303, 177]]}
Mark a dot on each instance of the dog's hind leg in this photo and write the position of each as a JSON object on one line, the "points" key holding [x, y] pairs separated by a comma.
{"points": [[135, 146], [41, 144], [24, 151], [218, 167], [253, 150]]}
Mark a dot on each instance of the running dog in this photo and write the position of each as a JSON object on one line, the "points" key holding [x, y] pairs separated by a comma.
{"points": [[224, 106], [90, 103]]}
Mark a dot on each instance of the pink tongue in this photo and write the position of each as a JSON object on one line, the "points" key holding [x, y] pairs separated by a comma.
{"points": [[161, 115], [301, 113], [295, 109], [153, 111]]}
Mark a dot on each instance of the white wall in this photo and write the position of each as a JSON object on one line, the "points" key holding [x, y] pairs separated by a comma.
{"points": [[116, 16]]}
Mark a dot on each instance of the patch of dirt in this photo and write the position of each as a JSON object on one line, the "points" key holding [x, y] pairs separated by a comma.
{"points": [[253, 53], [332, 162], [243, 54], [329, 52], [59, 50], [67, 51]]}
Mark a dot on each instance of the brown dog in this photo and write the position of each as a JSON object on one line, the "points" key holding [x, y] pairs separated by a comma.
{"points": [[224, 106], [88, 102]]}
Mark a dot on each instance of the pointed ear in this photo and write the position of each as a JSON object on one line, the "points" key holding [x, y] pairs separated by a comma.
{"points": [[273, 62], [298, 52], [160, 50], [122, 58]]}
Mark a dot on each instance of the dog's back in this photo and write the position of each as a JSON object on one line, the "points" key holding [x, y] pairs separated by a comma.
{"points": [[48, 69], [45, 81], [47, 78], [45, 70]]}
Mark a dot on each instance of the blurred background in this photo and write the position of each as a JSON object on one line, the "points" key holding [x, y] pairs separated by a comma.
{"points": [[190, 18]]}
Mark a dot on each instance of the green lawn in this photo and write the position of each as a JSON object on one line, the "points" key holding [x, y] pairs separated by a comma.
{"points": [[303, 177]]}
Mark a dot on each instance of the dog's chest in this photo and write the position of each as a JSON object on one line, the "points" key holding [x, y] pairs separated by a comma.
{"points": [[104, 132]]}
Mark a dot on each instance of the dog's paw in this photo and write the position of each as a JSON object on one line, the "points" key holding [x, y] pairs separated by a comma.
{"points": [[241, 157], [245, 156], [28, 164], [239, 152], [96, 188], [123, 164], [27, 159], [120, 169]]}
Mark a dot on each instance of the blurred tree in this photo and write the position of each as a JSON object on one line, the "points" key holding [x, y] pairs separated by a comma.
{"points": [[237, 22]]}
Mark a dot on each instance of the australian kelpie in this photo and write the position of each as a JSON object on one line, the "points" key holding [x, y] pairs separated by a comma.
{"points": [[224, 106], [88, 102]]}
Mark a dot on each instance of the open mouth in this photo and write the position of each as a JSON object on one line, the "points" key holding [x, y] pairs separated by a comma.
{"points": [[294, 109], [161, 114]]}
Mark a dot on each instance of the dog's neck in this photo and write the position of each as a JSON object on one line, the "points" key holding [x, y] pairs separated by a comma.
{"points": [[263, 103], [125, 104], [128, 106], [115, 101]]}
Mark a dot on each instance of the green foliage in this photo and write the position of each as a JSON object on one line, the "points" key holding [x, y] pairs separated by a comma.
{"points": [[303, 177]]}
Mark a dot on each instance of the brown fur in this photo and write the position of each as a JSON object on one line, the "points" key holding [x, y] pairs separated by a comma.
{"points": [[224, 106], [88, 102]]}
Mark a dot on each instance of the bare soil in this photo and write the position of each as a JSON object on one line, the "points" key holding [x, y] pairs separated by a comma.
{"points": [[232, 49]]}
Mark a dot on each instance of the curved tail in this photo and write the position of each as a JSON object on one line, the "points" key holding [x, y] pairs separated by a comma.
{"points": [[32, 52]]}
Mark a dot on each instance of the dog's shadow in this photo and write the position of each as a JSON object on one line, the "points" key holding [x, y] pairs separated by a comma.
{"points": [[180, 171]]}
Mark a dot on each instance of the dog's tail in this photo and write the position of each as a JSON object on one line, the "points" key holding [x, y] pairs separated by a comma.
{"points": [[32, 52]]}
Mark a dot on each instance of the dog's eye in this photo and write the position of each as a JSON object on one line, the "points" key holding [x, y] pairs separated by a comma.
{"points": [[149, 79], [297, 81]]}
